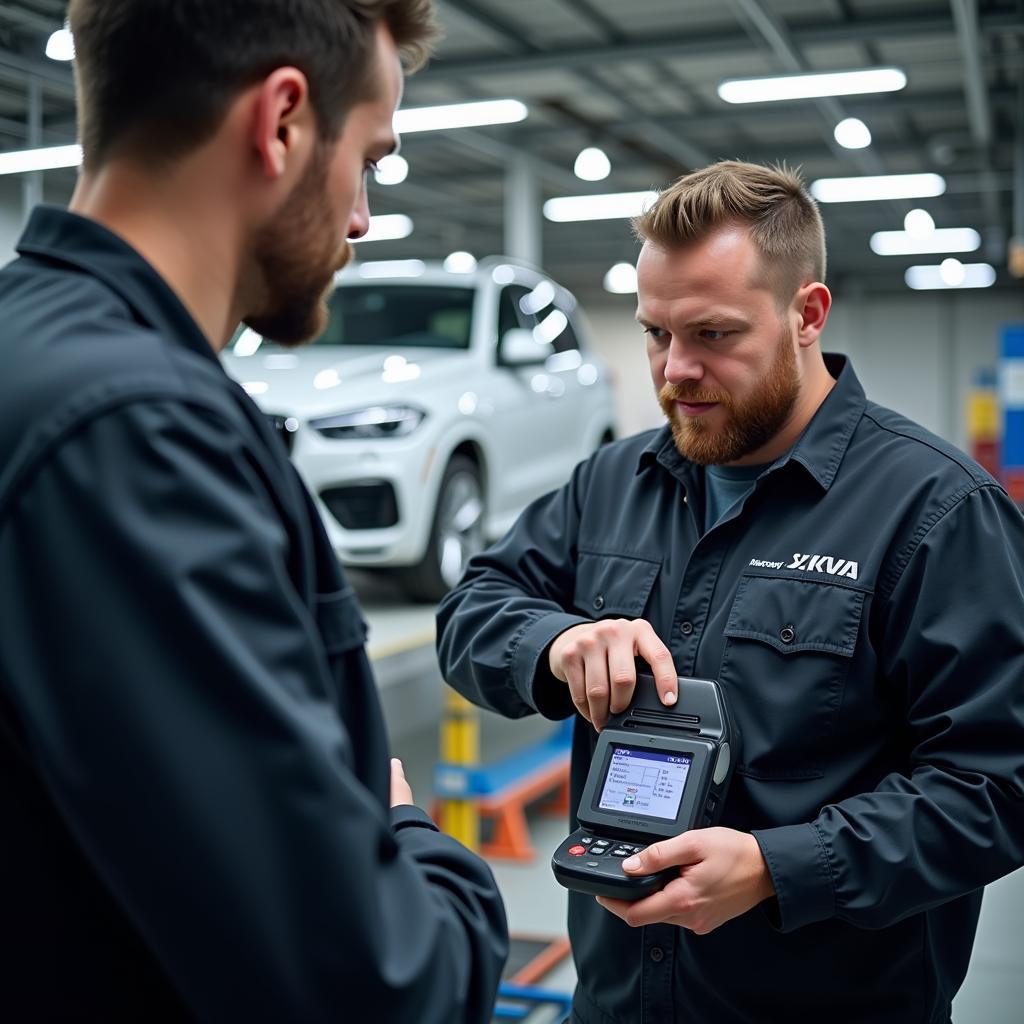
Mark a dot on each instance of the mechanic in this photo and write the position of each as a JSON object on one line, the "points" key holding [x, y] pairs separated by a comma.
{"points": [[200, 819], [855, 584]]}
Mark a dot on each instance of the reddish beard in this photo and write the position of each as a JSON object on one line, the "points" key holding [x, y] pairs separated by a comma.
{"points": [[748, 425]]}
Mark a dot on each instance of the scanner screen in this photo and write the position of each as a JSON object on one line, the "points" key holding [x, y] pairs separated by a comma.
{"points": [[645, 782]]}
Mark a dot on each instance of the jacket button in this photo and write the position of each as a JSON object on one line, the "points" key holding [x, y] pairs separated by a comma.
{"points": [[787, 634], [599, 602], [686, 628], [657, 954]]}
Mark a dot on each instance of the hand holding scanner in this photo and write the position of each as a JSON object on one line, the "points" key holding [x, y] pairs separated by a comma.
{"points": [[657, 772]]}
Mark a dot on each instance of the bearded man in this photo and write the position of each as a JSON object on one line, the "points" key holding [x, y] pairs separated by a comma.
{"points": [[856, 586], [200, 817]]}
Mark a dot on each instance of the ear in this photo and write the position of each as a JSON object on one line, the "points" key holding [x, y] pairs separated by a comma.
{"points": [[812, 304], [283, 125]]}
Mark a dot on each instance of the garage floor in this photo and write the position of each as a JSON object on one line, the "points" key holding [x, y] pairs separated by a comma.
{"points": [[992, 994]]}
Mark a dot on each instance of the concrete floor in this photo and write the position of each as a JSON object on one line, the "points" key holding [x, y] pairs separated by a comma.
{"points": [[993, 992]]}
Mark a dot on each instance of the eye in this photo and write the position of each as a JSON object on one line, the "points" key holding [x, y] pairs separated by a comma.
{"points": [[712, 335], [658, 333]]}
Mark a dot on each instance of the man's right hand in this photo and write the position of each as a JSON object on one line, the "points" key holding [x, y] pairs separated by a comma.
{"points": [[596, 660]]}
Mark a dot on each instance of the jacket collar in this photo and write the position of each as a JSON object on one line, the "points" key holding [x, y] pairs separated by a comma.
{"points": [[819, 449], [59, 236]]}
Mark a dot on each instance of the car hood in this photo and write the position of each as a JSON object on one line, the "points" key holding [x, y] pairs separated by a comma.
{"points": [[317, 381]]}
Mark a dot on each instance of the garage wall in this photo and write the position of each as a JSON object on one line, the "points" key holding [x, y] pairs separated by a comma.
{"points": [[916, 353]]}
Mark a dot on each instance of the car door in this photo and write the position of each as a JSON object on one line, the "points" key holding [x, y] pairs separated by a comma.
{"points": [[532, 423]]}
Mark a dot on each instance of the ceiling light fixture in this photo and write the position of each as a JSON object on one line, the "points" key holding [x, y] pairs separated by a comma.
{"points": [[22, 161], [875, 187], [918, 223], [61, 45], [592, 164], [621, 279], [460, 262], [459, 115], [602, 207], [852, 133], [386, 227], [903, 243], [951, 273], [392, 268], [798, 87], [391, 170]]}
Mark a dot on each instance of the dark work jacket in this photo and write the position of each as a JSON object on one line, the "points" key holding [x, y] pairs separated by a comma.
{"points": [[864, 609], [193, 763]]}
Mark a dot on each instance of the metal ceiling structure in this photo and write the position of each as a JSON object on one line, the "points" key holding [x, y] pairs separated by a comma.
{"points": [[640, 80]]}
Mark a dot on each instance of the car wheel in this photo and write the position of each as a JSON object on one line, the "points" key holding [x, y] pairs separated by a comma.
{"points": [[456, 534]]}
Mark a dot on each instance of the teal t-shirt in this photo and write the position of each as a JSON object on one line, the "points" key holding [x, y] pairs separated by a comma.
{"points": [[724, 486]]}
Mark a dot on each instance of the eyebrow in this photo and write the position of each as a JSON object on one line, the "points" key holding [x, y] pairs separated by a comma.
{"points": [[711, 320]]}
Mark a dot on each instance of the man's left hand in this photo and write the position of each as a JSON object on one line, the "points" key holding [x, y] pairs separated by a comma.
{"points": [[721, 875]]}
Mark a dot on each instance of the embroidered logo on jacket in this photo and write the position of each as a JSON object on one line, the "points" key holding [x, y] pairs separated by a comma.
{"points": [[824, 563], [812, 563]]}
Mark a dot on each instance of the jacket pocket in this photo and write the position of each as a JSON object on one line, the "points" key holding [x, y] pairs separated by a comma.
{"points": [[789, 644], [613, 585], [342, 627]]}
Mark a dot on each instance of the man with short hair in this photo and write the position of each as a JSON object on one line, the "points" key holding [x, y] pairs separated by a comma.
{"points": [[199, 820], [854, 583]]}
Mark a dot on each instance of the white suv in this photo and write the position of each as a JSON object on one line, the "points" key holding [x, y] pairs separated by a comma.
{"points": [[433, 408]]}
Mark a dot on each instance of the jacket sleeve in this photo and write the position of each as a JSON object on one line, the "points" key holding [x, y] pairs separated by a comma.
{"points": [[493, 628], [953, 658], [175, 696]]}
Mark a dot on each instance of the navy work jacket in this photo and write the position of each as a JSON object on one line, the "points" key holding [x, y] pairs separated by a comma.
{"points": [[864, 609], [193, 763]]}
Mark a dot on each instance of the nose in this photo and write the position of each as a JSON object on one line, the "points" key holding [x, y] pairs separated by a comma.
{"points": [[682, 363], [359, 221]]}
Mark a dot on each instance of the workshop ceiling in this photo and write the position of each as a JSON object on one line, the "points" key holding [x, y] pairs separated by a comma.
{"points": [[639, 79]]}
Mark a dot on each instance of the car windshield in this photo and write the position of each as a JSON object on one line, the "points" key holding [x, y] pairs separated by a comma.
{"points": [[424, 316]]}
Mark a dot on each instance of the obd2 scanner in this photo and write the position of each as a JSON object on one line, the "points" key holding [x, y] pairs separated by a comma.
{"points": [[657, 771]]}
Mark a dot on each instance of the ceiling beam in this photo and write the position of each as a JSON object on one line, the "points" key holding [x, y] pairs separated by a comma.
{"points": [[703, 44]]}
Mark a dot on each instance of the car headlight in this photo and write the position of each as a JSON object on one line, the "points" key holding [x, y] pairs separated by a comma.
{"points": [[375, 421]]}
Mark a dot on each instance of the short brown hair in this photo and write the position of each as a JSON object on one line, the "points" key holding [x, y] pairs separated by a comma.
{"points": [[155, 77], [783, 219]]}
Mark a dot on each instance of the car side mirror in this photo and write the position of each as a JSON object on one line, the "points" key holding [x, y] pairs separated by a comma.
{"points": [[520, 348]]}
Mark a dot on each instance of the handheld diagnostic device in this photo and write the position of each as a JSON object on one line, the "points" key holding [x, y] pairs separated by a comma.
{"points": [[657, 771]]}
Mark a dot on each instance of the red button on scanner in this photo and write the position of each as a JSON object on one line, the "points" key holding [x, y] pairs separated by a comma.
{"points": [[577, 851]]}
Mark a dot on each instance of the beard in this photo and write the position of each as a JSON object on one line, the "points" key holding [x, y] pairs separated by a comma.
{"points": [[749, 424], [296, 257]]}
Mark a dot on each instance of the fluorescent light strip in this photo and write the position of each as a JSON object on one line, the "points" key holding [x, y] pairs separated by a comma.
{"points": [[459, 115], [901, 243], [23, 161], [602, 207], [798, 87], [881, 186], [926, 278], [386, 227], [392, 268]]}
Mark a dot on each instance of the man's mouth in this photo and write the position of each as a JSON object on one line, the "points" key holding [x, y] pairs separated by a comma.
{"points": [[695, 408]]}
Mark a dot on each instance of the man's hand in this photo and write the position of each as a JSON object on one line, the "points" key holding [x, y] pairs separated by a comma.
{"points": [[721, 875], [596, 659], [401, 793]]}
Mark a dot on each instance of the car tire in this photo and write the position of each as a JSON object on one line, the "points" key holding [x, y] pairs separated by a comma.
{"points": [[456, 532]]}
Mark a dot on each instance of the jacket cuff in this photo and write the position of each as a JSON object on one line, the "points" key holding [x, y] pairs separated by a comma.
{"points": [[530, 673], [799, 869], [410, 816]]}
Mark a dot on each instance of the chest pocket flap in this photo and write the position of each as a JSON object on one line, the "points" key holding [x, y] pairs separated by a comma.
{"points": [[613, 584], [796, 615]]}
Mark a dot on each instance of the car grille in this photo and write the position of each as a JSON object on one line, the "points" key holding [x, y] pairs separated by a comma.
{"points": [[363, 506], [285, 427]]}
